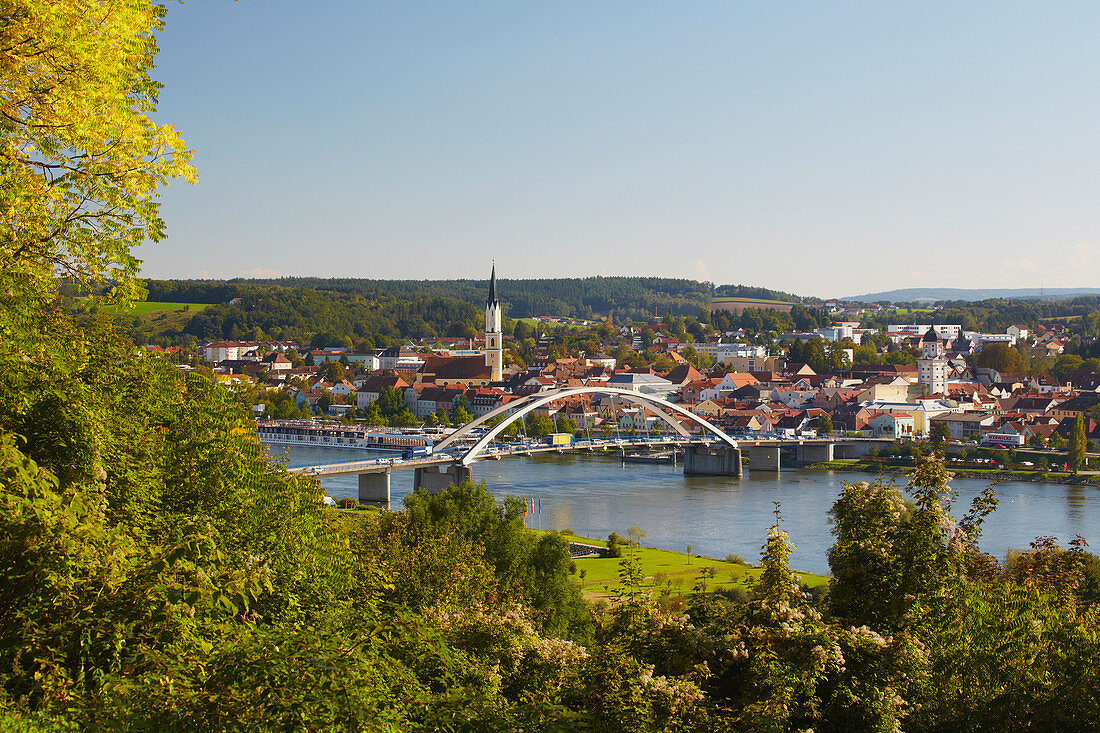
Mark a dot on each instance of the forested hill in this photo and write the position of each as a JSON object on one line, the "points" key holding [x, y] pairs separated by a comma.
{"points": [[627, 298]]}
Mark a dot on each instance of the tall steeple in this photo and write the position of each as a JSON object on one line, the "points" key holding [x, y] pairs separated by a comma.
{"points": [[494, 338], [492, 287]]}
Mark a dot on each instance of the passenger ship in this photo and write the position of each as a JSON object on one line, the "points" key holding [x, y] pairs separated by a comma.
{"points": [[336, 435]]}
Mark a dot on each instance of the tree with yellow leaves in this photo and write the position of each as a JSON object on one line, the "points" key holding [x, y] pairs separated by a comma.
{"points": [[81, 159]]}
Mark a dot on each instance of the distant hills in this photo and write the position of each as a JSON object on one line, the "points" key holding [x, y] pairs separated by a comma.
{"points": [[913, 295]]}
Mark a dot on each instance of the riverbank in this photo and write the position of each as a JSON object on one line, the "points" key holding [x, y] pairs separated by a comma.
{"points": [[1037, 477], [666, 572]]}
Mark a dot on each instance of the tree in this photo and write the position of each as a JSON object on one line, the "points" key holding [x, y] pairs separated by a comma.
{"points": [[389, 402], [332, 371], [939, 435], [459, 414], [1077, 444], [82, 157], [564, 425], [372, 415], [1065, 364], [539, 425], [1000, 357], [404, 419], [825, 425]]}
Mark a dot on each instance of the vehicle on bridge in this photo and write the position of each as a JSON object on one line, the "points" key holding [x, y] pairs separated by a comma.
{"points": [[559, 439], [417, 452]]}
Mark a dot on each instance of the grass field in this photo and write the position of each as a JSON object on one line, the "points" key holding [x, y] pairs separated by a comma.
{"points": [[533, 322], [732, 299], [907, 311], [146, 307], [665, 571]]}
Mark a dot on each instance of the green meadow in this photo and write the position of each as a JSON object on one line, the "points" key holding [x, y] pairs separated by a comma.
{"points": [[674, 573]]}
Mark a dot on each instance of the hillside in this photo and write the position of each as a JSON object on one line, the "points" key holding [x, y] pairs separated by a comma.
{"points": [[914, 295], [626, 298]]}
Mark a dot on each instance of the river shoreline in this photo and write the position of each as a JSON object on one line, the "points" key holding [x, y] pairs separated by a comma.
{"points": [[1035, 477]]}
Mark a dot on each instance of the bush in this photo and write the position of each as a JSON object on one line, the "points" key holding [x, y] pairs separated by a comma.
{"points": [[736, 559], [615, 545]]}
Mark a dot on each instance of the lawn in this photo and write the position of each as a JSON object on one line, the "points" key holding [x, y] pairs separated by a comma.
{"points": [[664, 570], [146, 307]]}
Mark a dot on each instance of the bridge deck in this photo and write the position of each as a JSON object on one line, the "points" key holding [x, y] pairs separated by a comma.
{"points": [[383, 465]]}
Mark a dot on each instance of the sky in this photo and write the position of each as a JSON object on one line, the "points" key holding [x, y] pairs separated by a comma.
{"points": [[824, 149]]}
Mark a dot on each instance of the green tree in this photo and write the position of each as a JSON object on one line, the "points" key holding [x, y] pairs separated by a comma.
{"points": [[332, 371], [539, 425], [82, 157], [404, 419], [1076, 446], [939, 435], [459, 414], [563, 424], [389, 402]]}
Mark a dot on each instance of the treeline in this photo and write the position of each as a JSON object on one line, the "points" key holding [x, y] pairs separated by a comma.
{"points": [[749, 291], [628, 298], [760, 320], [278, 312]]}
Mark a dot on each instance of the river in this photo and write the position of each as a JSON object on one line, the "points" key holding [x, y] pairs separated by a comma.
{"points": [[716, 515]]}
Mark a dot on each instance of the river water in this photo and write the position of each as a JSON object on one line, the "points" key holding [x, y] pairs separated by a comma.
{"points": [[716, 515]]}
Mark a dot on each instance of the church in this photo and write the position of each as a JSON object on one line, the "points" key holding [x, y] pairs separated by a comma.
{"points": [[494, 337]]}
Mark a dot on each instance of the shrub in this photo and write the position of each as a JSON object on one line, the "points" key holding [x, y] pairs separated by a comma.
{"points": [[615, 545], [736, 559]]}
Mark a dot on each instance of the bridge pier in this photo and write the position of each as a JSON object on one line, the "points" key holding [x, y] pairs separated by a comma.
{"points": [[374, 487], [435, 479], [764, 458], [701, 460], [854, 449], [814, 453]]}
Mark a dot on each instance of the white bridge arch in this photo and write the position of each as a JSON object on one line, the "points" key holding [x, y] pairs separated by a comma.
{"points": [[521, 407]]}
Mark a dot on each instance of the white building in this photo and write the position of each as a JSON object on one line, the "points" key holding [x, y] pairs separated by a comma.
{"points": [[978, 340], [370, 362], [945, 331], [932, 365]]}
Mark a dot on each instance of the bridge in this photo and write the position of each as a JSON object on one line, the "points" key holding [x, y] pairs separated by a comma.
{"points": [[712, 453]]}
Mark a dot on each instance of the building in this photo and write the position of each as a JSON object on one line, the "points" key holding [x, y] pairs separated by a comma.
{"points": [[932, 365], [944, 331], [494, 337]]}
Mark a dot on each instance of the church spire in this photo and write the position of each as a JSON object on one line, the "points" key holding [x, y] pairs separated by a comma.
{"points": [[494, 339], [492, 286]]}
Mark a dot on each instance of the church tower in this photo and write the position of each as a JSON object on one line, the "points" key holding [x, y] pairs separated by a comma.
{"points": [[494, 338], [932, 365]]}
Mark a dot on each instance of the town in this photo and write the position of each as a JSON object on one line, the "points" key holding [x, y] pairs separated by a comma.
{"points": [[905, 381]]}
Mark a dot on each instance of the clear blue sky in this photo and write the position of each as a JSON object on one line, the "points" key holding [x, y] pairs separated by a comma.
{"points": [[822, 148]]}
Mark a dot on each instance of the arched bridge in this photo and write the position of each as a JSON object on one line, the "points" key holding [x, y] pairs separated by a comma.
{"points": [[449, 462], [519, 409]]}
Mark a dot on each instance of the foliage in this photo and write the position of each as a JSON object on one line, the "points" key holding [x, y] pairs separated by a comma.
{"points": [[1076, 445], [80, 156]]}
